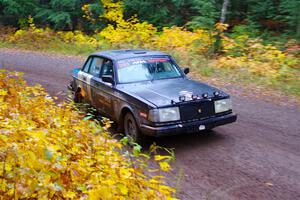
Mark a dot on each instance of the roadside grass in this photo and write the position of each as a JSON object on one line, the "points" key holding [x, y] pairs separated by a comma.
{"points": [[201, 66], [55, 46], [244, 78]]}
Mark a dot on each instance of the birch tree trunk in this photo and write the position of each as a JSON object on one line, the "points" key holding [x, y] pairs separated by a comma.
{"points": [[218, 42], [224, 11]]}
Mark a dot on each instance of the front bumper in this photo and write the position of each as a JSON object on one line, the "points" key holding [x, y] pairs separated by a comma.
{"points": [[189, 127]]}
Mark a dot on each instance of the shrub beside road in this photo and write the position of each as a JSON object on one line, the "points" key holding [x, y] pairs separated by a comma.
{"points": [[48, 152]]}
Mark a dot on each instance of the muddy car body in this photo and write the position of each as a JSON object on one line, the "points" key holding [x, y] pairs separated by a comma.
{"points": [[146, 93]]}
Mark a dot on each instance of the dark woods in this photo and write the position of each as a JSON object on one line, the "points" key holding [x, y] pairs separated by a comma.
{"points": [[278, 16]]}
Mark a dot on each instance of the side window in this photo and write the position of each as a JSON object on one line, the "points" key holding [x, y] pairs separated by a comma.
{"points": [[96, 66], [107, 68], [87, 65]]}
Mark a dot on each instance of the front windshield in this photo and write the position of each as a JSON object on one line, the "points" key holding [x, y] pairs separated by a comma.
{"points": [[146, 68]]}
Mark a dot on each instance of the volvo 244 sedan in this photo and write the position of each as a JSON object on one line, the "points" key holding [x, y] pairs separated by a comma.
{"points": [[147, 93]]}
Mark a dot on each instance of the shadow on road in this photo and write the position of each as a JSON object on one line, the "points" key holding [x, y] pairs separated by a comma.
{"points": [[187, 141], [182, 142]]}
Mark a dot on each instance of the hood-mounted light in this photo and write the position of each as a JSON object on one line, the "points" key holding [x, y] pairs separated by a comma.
{"points": [[205, 95], [181, 98], [216, 93], [194, 97]]}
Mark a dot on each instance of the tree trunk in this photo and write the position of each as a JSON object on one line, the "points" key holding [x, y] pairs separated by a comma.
{"points": [[224, 11], [218, 42]]}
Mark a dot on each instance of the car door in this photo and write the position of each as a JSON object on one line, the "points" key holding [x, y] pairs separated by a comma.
{"points": [[103, 91], [94, 71], [84, 78]]}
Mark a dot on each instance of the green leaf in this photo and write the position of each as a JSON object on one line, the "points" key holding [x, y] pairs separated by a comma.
{"points": [[48, 154], [137, 149], [124, 140]]}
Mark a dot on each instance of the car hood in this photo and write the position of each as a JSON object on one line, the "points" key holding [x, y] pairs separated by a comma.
{"points": [[162, 92]]}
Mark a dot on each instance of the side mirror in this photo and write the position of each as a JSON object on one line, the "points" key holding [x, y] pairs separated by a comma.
{"points": [[108, 79], [186, 70]]}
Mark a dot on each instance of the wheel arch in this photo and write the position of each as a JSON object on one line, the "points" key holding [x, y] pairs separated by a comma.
{"points": [[124, 111], [77, 96]]}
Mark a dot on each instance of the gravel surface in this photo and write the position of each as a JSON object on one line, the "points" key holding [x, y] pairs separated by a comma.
{"points": [[258, 157]]}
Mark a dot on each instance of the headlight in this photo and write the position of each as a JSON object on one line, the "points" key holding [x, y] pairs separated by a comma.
{"points": [[222, 105], [164, 114]]}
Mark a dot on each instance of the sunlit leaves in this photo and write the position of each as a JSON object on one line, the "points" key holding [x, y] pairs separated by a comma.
{"points": [[165, 166], [48, 152], [121, 31], [257, 58]]}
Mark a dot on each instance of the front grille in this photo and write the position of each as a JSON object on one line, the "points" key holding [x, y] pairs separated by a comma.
{"points": [[190, 111]]}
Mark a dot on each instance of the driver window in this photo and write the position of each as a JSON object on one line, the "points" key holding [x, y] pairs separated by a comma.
{"points": [[107, 68], [96, 66]]}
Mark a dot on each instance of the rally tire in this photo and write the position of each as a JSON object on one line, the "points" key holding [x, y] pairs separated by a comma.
{"points": [[131, 129]]}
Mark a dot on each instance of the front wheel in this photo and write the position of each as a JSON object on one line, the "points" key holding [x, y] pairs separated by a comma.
{"points": [[131, 129]]}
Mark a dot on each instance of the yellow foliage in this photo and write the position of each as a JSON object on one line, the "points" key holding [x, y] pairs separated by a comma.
{"points": [[48, 152], [175, 38], [130, 31], [78, 38], [257, 58], [221, 27], [165, 166], [34, 34], [178, 38], [88, 14], [37, 36], [42, 37], [113, 10]]}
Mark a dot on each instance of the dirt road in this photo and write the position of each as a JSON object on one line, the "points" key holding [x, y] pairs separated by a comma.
{"points": [[258, 157]]}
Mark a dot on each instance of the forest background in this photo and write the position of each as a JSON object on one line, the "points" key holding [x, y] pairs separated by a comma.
{"points": [[251, 41]]}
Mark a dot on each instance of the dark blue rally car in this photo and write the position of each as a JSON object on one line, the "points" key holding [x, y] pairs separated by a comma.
{"points": [[147, 93]]}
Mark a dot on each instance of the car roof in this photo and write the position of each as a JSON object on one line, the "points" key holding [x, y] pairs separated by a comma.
{"points": [[127, 53]]}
